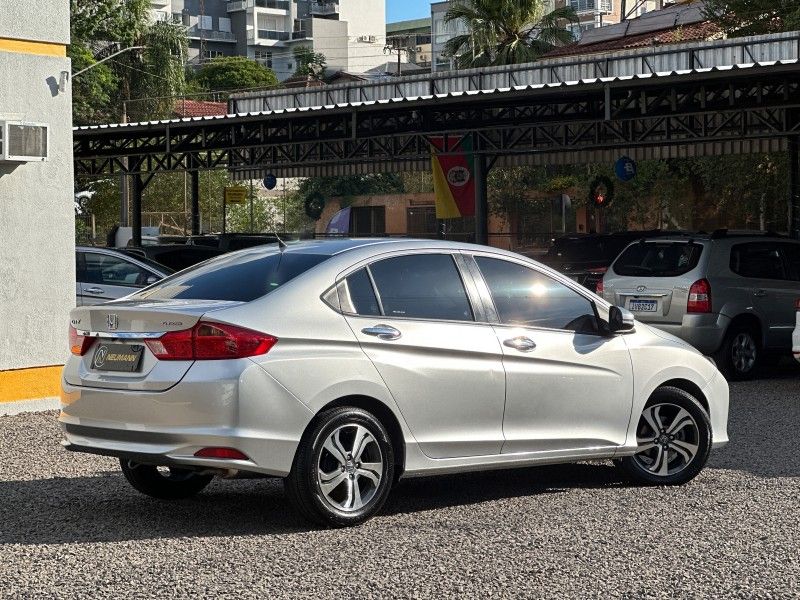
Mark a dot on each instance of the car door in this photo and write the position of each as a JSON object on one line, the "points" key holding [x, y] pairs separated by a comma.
{"points": [[767, 266], [415, 321], [568, 387], [108, 277]]}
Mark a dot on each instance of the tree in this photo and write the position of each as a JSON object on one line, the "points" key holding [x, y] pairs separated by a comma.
{"points": [[146, 80], [754, 17], [229, 73], [505, 32], [309, 63]]}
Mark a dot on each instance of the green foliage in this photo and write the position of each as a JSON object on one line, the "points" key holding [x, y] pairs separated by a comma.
{"points": [[140, 77], [347, 186], [305, 58], [229, 73], [754, 17], [504, 32]]}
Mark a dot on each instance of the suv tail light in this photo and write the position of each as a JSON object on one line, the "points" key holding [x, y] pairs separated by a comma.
{"points": [[599, 289], [699, 297], [797, 304], [79, 344], [211, 341]]}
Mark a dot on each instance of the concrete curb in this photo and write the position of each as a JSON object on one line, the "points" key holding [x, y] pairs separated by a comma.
{"points": [[27, 406]]}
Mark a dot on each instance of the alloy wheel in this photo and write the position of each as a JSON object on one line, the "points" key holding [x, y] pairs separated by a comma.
{"points": [[668, 439], [743, 352], [349, 468]]}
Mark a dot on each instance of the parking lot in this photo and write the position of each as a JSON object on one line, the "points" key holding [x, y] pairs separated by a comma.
{"points": [[70, 526]]}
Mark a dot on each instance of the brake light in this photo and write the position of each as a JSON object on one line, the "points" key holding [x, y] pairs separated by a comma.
{"points": [[797, 304], [79, 344], [599, 289], [225, 453], [699, 297], [211, 341]]}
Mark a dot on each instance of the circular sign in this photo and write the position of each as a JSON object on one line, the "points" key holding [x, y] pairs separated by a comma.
{"points": [[458, 176], [625, 168], [270, 181]]}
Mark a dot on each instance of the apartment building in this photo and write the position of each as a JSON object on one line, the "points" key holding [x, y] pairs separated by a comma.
{"points": [[349, 33], [415, 37]]}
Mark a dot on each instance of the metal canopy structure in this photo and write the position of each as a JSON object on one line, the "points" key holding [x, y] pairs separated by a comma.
{"points": [[746, 107]]}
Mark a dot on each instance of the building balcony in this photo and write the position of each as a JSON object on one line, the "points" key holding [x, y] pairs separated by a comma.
{"points": [[324, 9], [283, 5], [210, 35], [268, 34], [160, 3], [583, 7]]}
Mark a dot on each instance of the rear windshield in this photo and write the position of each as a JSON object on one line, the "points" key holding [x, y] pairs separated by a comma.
{"points": [[234, 277], [658, 259]]}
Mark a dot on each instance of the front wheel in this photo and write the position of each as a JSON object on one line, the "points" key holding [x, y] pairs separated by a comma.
{"points": [[165, 483], [674, 439], [343, 470]]}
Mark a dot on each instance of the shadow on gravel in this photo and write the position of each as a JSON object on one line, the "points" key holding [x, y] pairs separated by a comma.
{"points": [[106, 509]]}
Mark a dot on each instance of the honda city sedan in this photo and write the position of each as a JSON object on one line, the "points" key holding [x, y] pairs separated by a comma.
{"points": [[343, 366]]}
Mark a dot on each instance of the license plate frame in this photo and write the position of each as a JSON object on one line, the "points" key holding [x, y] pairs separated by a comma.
{"points": [[115, 357], [642, 306]]}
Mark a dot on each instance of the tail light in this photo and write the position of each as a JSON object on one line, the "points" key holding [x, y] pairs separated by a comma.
{"points": [[79, 344], [600, 287], [211, 341], [699, 297], [224, 453], [797, 304]]}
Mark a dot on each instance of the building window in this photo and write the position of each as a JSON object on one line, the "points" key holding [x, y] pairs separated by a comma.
{"points": [[421, 221], [225, 24], [367, 220], [264, 57], [205, 22], [212, 54]]}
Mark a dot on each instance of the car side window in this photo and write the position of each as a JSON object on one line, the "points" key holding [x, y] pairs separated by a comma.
{"points": [[791, 255], [109, 270], [362, 295], [423, 286], [757, 260], [524, 296], [80, 270]]}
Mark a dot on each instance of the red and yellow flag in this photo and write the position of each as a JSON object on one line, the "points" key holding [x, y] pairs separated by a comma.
{"points": [[453, 183]]}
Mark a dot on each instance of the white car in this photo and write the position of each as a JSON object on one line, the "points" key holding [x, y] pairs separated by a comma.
{"points": [[345, 365]]}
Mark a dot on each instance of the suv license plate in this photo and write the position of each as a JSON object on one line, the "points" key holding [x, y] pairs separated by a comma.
{"points": [[125, 358], [642, 305]]}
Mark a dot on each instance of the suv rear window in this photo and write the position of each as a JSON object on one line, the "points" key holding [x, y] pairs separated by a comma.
{"points": [[233, 277], [658, 259]]}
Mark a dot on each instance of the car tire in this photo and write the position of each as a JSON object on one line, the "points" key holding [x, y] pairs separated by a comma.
{"points": [[674, 433], [330, 483], [739, 357], [164, 484]]}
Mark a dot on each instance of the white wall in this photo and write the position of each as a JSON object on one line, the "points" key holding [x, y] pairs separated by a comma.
{"points": [[37, 226], [364, 18]]}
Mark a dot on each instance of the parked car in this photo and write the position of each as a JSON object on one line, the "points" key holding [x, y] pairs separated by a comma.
{"points": [[228, 242], [103, 274], [586, 257], [344, 365], [731, 295], [796, 333], [175, 256]]}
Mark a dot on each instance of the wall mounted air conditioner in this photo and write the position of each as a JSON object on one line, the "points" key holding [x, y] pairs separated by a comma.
{"points": [[368, 39], [23, 142]]}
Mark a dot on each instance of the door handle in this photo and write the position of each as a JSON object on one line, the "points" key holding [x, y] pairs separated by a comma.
{"points": [[759, 293], [384, 332], [521, 343], [94, 290]]}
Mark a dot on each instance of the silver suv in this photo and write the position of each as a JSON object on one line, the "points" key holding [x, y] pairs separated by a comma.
{"points": [[730, 295]]}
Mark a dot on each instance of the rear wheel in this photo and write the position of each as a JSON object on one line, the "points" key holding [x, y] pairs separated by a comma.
{"points": [[343, 470], [165, 483], [740, 354], [674, 439]]}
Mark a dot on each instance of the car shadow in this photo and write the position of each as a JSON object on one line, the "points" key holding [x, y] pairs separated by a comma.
{"points": [[103, 508]]}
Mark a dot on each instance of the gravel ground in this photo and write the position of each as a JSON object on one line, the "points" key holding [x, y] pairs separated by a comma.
{"points": [[71, 527]]}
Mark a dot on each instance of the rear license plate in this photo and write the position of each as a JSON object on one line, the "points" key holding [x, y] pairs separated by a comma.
{"points": [[125, 358], [642, 305]]}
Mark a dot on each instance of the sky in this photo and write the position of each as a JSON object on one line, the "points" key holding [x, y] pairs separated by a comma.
{"points": [[402, 10]]}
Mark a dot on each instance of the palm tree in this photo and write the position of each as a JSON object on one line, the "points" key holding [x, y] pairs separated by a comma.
{"points": [[505, 32]]}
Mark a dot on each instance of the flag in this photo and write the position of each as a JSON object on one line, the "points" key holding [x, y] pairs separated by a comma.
{"points": [[453, 182], [340, 222]]}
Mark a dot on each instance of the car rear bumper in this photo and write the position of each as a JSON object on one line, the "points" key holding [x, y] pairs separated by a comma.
{"points": [[703, 331], [228, 404]]}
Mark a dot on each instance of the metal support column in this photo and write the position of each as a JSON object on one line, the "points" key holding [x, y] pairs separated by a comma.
{"points": [[794, 187], [481, 200], [136, 208], [194, 176]]}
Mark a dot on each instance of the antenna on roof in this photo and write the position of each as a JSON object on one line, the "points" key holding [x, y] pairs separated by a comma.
{"points": [[281, 244]]}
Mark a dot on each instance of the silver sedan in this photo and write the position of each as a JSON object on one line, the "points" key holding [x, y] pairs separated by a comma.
{"points": [[345, 365]]}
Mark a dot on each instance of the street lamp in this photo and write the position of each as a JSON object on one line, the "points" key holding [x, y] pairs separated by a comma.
{"points": [[110, 56]]}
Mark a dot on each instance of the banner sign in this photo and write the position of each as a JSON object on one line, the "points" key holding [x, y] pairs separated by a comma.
{"points": [[453, 181], [340, 222], [235, 195]]}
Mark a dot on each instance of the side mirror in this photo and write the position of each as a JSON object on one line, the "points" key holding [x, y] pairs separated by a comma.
{"points": [[151, 279], [620, 319]]}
